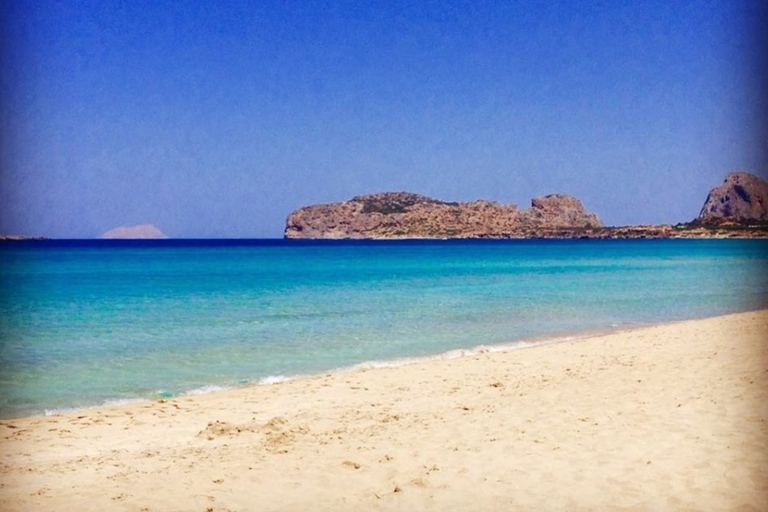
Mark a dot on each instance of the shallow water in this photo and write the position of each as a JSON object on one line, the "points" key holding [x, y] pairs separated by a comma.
{"points": [[84, 323]]}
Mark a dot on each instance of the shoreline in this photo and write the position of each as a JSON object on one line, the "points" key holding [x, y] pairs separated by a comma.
{"points": [[456, 353], [270, 380], [672, 416]]}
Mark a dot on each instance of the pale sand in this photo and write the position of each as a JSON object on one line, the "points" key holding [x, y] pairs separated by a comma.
{"points": [[672, 417]]}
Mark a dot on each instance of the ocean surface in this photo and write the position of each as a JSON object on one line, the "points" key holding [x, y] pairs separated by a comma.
{"points": [[87, 323]]}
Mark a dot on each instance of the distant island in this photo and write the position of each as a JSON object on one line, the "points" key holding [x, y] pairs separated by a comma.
{"points": [[19, 238], [737, 208], [135, 232]]}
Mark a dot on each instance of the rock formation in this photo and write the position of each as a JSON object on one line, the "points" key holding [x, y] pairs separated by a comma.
{"points": [[742, 198], [558, 211], [140, 231], [406, 215]]}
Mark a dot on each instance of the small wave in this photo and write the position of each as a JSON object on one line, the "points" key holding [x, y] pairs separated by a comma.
{"points": [[204, 390], [122, 401], [371, 365], [117, 402], [61, 410], [275, 379]]}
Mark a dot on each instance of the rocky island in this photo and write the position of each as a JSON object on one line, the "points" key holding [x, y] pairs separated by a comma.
{"points": [[406, 215], [20, 238], [737, 208]]}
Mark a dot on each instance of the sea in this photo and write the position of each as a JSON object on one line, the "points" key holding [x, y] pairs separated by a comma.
{"points": [[86, 323]]}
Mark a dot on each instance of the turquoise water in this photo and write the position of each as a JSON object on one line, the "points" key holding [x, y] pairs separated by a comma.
{"points": [[84, 323]]}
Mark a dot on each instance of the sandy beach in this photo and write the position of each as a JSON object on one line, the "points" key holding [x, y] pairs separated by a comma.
{"points": [[670, 417]]}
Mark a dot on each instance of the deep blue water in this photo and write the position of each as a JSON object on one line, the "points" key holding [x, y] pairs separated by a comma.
{"points": [[90, 322]]}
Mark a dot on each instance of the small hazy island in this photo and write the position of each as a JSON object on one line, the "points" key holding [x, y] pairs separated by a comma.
{"points": [[737, 208], [135, 232], [20, 238]]}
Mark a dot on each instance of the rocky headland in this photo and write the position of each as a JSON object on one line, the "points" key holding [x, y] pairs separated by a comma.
{"points": [[406, 215], [735, 209], [741, 199]]}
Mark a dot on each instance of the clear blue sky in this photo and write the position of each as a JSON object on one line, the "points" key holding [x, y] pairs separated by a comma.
{"points": [[216, 119]]}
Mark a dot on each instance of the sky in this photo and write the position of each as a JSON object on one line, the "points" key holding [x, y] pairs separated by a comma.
{"points": [[217, 119]]}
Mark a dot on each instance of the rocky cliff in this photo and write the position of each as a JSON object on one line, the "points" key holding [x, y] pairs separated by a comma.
{"points": [[406, 215], [742, 198]]}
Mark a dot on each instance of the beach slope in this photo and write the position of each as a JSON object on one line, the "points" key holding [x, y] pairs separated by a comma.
{"points": [[670, 417]]}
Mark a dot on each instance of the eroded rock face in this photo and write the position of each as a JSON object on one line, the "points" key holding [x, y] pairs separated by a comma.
{"points": [[743, 197], [406, 215], [559, 211]]}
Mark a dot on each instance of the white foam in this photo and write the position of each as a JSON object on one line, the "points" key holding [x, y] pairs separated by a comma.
{"points": [[61, 410], [370, 365], [204, 390], [123, 401], [275, 379], [461, 353], [367, 365], [107, 403], [450, 354]]}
